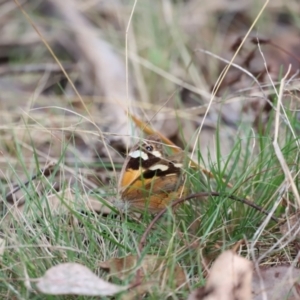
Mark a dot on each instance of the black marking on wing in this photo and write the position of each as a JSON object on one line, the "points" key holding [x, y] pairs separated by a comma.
{"points": [[136, 163], [159, 173]]}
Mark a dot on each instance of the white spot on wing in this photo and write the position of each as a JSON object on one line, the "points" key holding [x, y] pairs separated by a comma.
{"points": [[159, 167], [156, 153], [138, 153], [177, 165]]}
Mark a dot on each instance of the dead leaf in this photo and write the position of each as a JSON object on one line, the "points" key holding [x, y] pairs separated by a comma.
{"points": [[153, 267], [275, 283], [137, 291], [75, 279], [229, 278]]}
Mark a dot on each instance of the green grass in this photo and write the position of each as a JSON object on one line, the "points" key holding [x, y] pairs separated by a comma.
{"points": [[38, 238], [41, 239]]}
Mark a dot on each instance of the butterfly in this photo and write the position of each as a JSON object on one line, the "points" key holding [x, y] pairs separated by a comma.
{"points": [[151, 180]]}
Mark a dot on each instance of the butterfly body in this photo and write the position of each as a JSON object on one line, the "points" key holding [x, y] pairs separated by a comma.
{"points": [[149, 179]]}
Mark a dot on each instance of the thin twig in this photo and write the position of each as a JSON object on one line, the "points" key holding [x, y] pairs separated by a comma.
{"points": [[178, 201], [198, 195]]}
